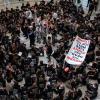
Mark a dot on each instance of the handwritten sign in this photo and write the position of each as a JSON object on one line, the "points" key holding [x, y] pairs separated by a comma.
{"points": [[78, 51]]}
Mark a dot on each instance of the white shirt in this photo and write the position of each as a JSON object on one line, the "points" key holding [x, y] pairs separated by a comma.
{"points": [[55, 15], [10, 85], [37, 20], [29, 14], [49, 35]]}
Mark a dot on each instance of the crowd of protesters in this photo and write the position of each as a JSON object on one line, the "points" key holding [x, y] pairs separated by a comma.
{"points": [[23, 76]]}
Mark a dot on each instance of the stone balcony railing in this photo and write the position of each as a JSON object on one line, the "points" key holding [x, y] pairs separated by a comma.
{"points": [[14, 3]]}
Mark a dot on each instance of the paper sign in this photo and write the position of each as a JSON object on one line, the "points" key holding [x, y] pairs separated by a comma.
{"points": [[78, 51], [20, 53]]}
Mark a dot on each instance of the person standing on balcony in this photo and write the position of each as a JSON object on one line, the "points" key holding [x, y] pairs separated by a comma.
{"points": [[91, 7], [95, 4]]}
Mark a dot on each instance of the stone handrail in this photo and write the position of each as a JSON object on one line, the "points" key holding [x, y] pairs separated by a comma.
{"points": [[13, 4]]}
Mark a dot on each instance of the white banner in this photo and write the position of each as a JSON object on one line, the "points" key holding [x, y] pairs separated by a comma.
{"points": [[84, 4], [78, 51]]}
